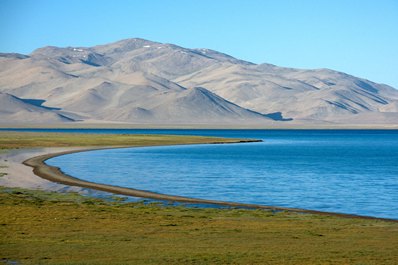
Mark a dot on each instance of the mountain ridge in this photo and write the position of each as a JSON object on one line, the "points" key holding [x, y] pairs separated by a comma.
{"points": [[143, 82]]}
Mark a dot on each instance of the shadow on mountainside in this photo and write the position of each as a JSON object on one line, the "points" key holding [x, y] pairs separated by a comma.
{"points": [[277, 116]]}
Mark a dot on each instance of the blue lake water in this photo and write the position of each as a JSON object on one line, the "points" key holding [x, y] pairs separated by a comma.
{"points": [[347, 171]]}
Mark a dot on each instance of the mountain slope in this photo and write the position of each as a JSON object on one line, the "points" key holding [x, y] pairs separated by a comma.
{"points": [[144, 82], [14, 109], [306, 95]]}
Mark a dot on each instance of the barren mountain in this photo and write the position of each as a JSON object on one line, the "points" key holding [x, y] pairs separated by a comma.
{"points": [[143, 82]]}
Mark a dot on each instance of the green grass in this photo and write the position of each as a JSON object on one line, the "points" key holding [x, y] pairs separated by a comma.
{"points": [[12, 140], [53, 228]]}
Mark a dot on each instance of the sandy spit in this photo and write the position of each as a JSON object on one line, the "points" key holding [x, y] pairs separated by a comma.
{"points": [[62, 182]]}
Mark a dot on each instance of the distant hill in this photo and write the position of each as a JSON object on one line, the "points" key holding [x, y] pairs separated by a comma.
{"points": [[143, 82]]}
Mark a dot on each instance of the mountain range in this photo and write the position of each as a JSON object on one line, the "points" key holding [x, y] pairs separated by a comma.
{"points": [[136, 81]]}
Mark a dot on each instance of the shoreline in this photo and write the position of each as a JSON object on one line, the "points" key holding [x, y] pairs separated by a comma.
{"points": [[54, 174], [273, 128], [322, 126]]}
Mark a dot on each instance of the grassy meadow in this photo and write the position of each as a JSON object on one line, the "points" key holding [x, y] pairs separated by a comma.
{"points": [[10, 140], [52, 228], [39, 227]]}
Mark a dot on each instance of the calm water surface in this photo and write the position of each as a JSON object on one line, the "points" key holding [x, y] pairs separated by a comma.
{"points": [[337, 171]]}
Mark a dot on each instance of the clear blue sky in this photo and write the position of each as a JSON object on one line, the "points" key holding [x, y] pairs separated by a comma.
{"points": [[353, 36]]}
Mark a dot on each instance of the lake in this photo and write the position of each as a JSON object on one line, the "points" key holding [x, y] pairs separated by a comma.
{"points": [[345, 171]]}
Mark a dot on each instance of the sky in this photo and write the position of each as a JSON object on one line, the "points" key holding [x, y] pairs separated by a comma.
{"points": [[352, 36]]}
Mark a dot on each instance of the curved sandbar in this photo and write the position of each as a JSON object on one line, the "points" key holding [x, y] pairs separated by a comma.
{"points": [[41, 169]]}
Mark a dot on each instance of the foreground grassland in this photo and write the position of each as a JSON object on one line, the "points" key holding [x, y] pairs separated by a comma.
{"points": [[52, 228], [9, 140]]}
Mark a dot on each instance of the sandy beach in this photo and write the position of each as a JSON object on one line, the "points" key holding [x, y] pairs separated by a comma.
{"points": [[20, 176]]}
